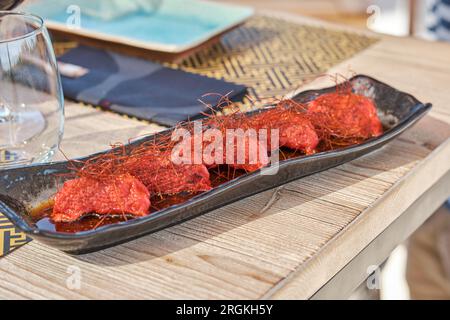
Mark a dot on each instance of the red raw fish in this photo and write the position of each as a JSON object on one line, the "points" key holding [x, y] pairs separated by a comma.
{"points": [[295, 129], [238, 149], [161, 176], [344, 118], [122, 194]]}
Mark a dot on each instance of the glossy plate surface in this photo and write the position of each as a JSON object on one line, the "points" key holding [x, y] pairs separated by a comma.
{"points": [[161, 25], [23, 188]]}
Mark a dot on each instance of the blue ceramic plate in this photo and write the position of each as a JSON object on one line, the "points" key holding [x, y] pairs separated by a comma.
{"points": [[160, 25]]}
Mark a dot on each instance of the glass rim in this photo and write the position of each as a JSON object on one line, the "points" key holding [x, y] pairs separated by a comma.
{"points": [[38, 29]]}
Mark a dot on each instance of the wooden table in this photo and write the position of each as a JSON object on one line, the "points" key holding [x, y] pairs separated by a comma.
{"points": [[314, 237]]}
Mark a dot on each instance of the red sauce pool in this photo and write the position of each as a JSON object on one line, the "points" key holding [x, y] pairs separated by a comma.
{"points": [[41, 215]]}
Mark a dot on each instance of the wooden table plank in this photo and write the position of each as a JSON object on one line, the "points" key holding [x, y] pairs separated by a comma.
{"points": [[282, 243], [355, 273]]}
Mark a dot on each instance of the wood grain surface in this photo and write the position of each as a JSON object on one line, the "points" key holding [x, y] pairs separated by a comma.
{"points": [[283, 243]]}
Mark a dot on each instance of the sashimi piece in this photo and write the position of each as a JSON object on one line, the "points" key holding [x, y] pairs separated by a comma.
{"points": [[122, 194], [295, 130], [345, 116], [161, 175], [237, 148]]}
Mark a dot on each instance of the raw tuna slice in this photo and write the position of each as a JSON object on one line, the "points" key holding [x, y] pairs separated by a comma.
{"points": [[122, 194], [345, 117], [162, 176], [295, 130]]}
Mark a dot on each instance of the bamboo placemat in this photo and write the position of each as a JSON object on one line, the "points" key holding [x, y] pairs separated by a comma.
{"points": [[273, 57], [270, 56]]}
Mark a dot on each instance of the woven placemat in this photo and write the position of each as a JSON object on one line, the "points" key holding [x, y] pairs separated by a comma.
{"points": [[273, 57], [270, 56]]}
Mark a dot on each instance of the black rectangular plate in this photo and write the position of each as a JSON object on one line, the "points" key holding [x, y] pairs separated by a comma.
{"points": [[21, 188]]}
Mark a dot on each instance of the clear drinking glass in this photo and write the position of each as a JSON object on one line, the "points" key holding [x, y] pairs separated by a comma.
{"points": [[31, 99]]}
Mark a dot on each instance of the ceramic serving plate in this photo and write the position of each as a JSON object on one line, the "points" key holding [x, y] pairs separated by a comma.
{"points": [[171, 26], [22, 188]]}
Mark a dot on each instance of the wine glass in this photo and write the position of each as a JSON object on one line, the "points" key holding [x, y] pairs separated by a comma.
{"points": [[9, 4], [31, 99]]}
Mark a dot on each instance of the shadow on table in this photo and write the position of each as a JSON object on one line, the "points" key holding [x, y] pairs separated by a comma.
{"points": [[204, 230]]}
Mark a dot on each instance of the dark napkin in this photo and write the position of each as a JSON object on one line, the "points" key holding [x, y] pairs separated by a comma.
{"points": [[141, 88]]}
